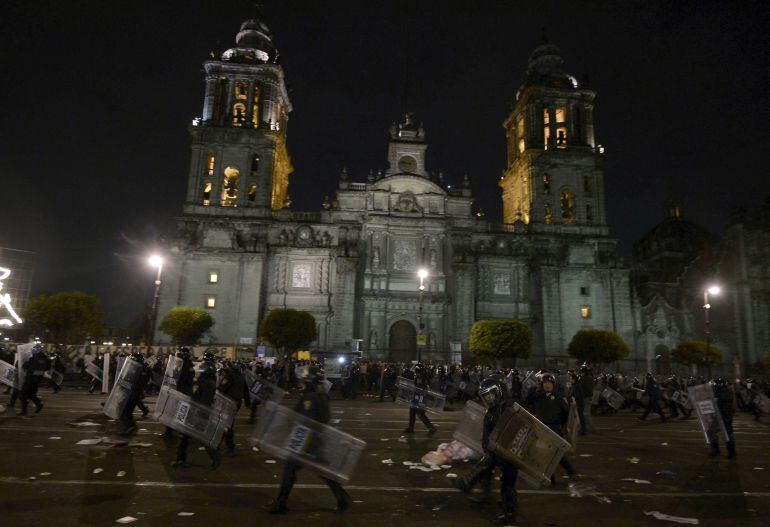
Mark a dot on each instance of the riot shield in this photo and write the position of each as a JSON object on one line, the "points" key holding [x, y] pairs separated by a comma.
{"points": [[420, 398], [705, 406], [94, 371], [207, 424], [125, 380], [265, 391], [333, 369], [573, 424], [286, 434], [523, 440], [529, 382], [173, 371], [106, 373], [151, 360], [598, 389], [613, 398], [23, 354], [56, 376], [7, 374], [763, 403], [470, 429]]}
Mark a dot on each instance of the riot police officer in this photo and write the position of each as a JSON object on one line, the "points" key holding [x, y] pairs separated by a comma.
{"points": [[184, 383], [313, 403], [203, 391], [388, 385], [491, 393], [420, 381], [34, 368], [231, 384], [135, 395], [551, 408], [652, 391], [726, 404]]}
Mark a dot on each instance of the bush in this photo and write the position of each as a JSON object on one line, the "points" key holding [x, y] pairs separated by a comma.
{"points": [[289, 329], [496, 340], [67, 317], [598, 346], [689, 352]]}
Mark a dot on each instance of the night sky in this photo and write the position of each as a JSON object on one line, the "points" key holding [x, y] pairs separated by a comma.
{"points": [[97, 97]]}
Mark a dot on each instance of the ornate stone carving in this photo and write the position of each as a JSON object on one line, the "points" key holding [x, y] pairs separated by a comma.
{"points": [[301, 275], [404, 255], [502, 283]]}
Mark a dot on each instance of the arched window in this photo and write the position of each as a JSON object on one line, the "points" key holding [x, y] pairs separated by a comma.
{"points": [[206, 193], [522, 144], [255, 165], [548, 214], [252, 195], [255, 108], [567, 206], [241, 91], [239, 114], [230, 187], [210, 162]]}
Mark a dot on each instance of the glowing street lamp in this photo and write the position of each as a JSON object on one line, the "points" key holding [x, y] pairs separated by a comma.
{"points": [[422, 274], [155, 261], [713, 290]]}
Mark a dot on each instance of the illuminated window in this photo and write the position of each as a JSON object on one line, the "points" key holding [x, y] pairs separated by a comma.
{"points": [[213, 277], [567, 206], [546, 117], [252, 195], [211, 302], [241, 91], [239, 114], [589, 214], [561, 137], [255, 107], [206, 194], [210, 162], [546, 184], [548, 215], [255, 165], [546, 136], [230, 187], [585, 312], [561, 114], [520, 133]]}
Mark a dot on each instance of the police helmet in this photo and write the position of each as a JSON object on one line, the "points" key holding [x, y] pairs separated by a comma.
{"points": [[490, 387], [719, 381], [209, 356], [547, 377], [183, 352], [135, 355]]}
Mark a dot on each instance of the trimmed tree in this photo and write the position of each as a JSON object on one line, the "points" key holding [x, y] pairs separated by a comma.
{"points": [[693, 353], [598, 346], [186, 325], [500, 340], [65, 318], [288, 329]]}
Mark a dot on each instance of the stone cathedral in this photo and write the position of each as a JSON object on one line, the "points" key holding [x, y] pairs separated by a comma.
{"points": [[242, 252]]}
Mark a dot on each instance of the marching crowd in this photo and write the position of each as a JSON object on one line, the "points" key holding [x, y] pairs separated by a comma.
{"points": [[551, 397]]}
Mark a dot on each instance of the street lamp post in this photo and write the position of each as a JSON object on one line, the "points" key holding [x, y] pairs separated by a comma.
{"points": [[422, 274], [713, 290], [155, 261]]}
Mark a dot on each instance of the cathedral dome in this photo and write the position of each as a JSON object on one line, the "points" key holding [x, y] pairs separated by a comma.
{"points": [[672, 237], [545, 67], [253, 43]]}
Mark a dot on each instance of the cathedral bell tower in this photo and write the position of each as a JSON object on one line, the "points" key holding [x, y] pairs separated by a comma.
{"points": [[554, 178], [239, 163]]}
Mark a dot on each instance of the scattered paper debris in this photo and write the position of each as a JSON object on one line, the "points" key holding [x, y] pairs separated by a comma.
{"points": [[638, 481], [402, 439], [140, 445], [436, 509], [358, 501], [121, 473], [201, 448], [633, 460], [94, 441], [408, 463], [45, 473], [255, 449], [32, 478], [664, 444], [367, 414], [37, 446], [84, 423], [185, 514], [54, 437], [383, 439], [126, 519], [97, 471], [335, 421], [270, 461], [586, 455], [451, 475], [387, 461], [677, 519], [665, 473], [446, 466], [759, 468], [579, 490], [603, 499]]}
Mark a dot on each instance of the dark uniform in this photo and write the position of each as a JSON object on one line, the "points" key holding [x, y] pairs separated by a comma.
{"points": [[483, 470], [135, 396], [552, 410], [34, 369], [652, 391], [203, 391], [726, 404], [231, 384], [420, 381], [184, 383], [388, 385], [313, 404]]}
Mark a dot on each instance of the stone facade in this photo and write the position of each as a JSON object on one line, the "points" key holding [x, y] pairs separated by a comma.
{"points": [[242, 252]]}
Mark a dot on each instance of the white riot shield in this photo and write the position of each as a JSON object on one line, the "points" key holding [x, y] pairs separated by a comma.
{"points": [[94, 371], [106, 373], [7, 374], [265, 391], [613, 398], [326, 384], [564, 382], [125, 381], [23, 354], [763, 403], [207, 424], [120, 360], [598, 389], [705, 405], [573, 424], [420, 398], [529, 382], [523, 440], [150, 362], [681, 398], [286, 434], [173, 371], [56, 377], [470, 429]]}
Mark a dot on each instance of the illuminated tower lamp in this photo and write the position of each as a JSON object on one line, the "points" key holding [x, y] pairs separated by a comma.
{"points": [[713, 290], [155, 261]]}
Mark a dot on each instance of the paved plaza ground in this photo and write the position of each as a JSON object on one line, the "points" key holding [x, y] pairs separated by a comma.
{"points": [[627, 468]]}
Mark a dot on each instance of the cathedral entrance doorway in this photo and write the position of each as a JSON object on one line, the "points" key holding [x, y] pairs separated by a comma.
{"points": [[403, 342], [662, 360]]}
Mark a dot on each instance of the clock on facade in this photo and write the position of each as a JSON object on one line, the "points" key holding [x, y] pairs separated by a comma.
{"points": [[407, 164]]}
